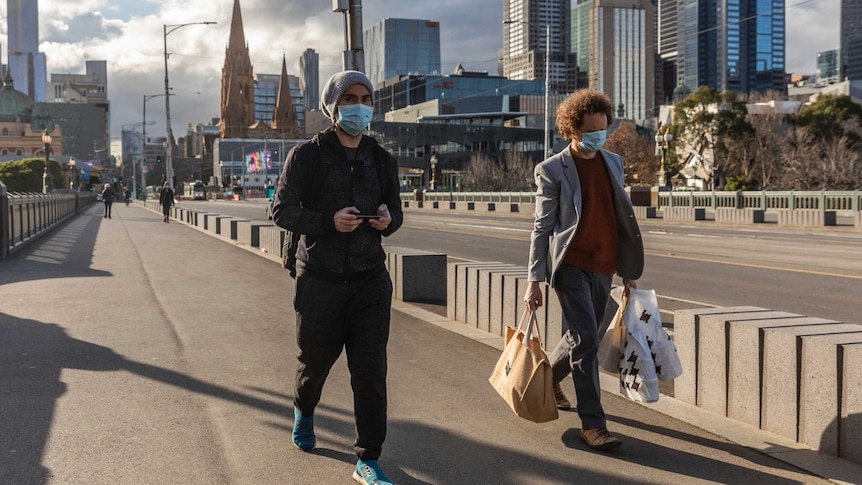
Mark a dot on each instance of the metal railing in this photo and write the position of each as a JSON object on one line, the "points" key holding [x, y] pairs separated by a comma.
{"points": [[843, 202], [24, 216]]}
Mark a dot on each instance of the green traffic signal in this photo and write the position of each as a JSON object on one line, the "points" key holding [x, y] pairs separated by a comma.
{"points": [[159, 159]]}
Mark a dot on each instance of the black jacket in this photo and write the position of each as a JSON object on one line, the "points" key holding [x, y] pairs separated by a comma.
{"points": [[317, 181]]}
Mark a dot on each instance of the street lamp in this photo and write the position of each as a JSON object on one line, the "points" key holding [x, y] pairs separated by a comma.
{"points": [[168, 165], [433, 162], [662, 142], [547, 141], [147, 97], [47, 179], [73, 177]]}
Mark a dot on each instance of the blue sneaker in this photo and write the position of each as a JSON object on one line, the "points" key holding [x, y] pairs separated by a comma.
{"points": [[303, 431], [368, 473]]}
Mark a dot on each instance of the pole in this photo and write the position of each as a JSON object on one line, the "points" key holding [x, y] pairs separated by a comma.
{"points": [[357, 53], [169, 166], [547, 89], [45, 172]]}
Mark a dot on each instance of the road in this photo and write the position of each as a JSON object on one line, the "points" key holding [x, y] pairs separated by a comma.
{"points": [[809, 272]]}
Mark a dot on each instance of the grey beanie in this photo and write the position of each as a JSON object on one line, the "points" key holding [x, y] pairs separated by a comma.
{"points": [[335, 88]]}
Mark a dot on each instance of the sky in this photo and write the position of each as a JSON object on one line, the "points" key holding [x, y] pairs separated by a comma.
{"points": [[128, 34]]}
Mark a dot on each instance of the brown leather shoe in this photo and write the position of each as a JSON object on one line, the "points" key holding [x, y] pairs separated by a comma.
{"points": [[600, 439], [562, 401]]}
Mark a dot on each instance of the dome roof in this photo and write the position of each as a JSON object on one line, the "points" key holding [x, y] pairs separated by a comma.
{"points": [[682, 90], [14, 105]]}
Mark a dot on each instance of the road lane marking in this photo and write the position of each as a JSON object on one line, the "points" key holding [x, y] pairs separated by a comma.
{"points": [[757, 266]]}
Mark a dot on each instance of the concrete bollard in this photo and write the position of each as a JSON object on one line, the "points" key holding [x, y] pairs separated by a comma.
{"points": [[782, 348], [712, 356], [744, 364], [820, 391], [850, 427], [686, 325]]}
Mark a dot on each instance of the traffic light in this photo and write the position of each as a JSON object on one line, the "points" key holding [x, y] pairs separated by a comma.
{"points": [[158, 159]]}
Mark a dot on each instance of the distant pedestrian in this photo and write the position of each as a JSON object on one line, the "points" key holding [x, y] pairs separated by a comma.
{"points": [[343, 291], [108, 199], [584, 232], [127, 195], [166, 199]]}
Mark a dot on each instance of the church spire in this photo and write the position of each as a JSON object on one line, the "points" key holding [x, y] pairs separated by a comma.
{"points": [[284, 119], [237, 83]]}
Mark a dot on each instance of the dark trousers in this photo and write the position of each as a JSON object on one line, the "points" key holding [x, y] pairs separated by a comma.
{"points": [[331, 316], [108, 209], [166, 211], [583, 297]]}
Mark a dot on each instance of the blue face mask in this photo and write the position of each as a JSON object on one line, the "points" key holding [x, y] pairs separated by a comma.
{"points": [[353, 118], [593, 141]]}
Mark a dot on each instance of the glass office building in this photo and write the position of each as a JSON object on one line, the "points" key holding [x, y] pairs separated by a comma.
{"points": [[733, 45], [851, 40], [395, 47], [404, 91], [266, 94]]}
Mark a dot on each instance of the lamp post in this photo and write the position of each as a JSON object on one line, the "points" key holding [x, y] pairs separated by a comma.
{"points": [[433, 162], [547, 141], [47, 179], [73, 177], [662, 141], [168, 164], [147, 97]]}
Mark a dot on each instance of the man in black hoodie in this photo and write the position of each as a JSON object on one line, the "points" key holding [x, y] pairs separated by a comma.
{"points": [[340, 191]]}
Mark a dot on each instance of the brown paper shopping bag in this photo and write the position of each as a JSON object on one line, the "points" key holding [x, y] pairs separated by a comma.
{"points": [[523, 375]]}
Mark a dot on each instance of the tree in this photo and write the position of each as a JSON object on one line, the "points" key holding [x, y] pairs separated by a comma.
{"points": [[513, 174], [812, 163], [638, 153], [773, 130], [833, 117], [25, 175], [722, 116]]}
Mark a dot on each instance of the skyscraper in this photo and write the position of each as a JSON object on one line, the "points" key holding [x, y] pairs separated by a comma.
{"points": [[309, 75], [26, 64], [618, 52], [851, 40], [827, 67], [733, 45], [401, 46], [524, 42]]}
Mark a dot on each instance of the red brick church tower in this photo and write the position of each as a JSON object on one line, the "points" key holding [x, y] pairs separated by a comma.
{"points": [[237, 83]]}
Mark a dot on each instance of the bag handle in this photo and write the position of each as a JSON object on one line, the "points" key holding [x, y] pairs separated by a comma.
{"points": [[533, 324]]}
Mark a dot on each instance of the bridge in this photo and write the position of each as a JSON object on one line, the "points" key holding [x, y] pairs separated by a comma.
{"points": [[133, 349]]}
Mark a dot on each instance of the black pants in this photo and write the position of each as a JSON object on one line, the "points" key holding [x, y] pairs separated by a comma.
{"points": [[166, 211], [108, 209], [331, 316], [583, 297]]}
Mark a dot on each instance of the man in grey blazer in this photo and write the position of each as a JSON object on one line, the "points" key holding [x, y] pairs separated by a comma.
{"points": [[584, 232]]}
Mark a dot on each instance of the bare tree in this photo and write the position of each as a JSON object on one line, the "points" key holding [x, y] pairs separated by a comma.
{"points": [[812, 163], [638, 153], [513, 174]]}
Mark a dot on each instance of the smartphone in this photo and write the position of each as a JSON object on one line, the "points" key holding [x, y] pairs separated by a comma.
{"points": [[367, 216]]}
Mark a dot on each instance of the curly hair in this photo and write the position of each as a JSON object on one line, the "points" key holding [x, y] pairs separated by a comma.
{"points": [[583, 102]]}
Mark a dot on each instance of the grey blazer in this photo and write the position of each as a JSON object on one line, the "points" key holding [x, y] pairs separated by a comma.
{"points": [[558, 210]]}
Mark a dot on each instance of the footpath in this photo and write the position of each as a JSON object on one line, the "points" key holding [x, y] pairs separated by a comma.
{"points": [[138, 352]]}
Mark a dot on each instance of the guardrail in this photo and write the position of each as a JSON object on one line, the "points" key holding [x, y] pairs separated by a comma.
{"points": [[844, 202], [25, 216]]}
